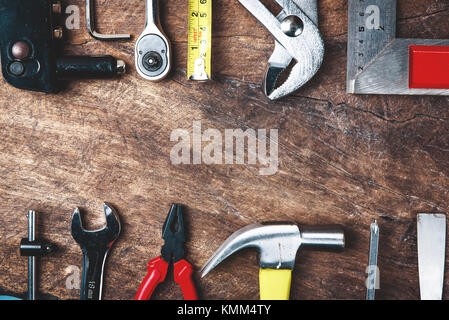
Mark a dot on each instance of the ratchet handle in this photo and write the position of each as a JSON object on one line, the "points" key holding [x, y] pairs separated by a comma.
{"points": [[153, 49], [183, 272], [93, 263], [157, 271], [152, 13]]}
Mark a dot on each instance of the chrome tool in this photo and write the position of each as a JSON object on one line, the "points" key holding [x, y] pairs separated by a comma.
{"points": [[153, 51], [278, 245], [431, 255], [380, 63], [297, 40], [373, 277], [95, 246], [32, 248]]}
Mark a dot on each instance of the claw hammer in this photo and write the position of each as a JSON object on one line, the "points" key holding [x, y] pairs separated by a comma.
{"points": [[278, 245]]}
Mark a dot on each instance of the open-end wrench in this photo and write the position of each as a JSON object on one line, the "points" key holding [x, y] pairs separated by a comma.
{"points": [[153, 52], [95, 246]]}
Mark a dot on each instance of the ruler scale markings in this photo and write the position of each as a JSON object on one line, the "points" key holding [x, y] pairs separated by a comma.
{"points": [[372, 26], [380, 63]]}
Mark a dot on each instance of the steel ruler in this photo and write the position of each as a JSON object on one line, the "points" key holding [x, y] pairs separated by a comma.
{"points": [[380, 63], [199, 40]]}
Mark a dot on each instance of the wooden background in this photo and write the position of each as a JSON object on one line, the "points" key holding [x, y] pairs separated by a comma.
{"points": [[344, 159]]}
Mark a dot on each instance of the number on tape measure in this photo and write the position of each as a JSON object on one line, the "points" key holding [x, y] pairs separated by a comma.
{"points": [[199, 40]]}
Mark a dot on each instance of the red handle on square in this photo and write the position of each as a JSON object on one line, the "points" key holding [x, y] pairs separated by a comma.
{"points": [[429, 67]]}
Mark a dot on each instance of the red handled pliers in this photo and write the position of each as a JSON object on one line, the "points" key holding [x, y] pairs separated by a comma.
{"points": [[172, 252]]}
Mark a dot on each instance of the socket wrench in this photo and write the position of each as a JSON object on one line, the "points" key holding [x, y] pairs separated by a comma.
{"points": [[153, 51]]}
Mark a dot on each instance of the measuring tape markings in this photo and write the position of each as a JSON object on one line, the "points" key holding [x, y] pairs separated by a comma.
{"points": [[199, 40]]}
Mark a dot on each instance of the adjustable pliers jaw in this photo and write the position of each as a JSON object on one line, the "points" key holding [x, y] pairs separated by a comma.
{"points": [[297, 38]]}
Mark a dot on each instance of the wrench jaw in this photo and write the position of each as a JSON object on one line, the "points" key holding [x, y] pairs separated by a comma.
{"points": [[77, 226], [95, 246], [112, 222], [108, 234]]}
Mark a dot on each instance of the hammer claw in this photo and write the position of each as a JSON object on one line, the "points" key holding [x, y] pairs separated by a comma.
{"points": [[233, 244], [277, 243]]}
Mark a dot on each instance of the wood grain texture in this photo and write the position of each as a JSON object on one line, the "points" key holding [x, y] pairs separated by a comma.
{"points": [[344, 159]]}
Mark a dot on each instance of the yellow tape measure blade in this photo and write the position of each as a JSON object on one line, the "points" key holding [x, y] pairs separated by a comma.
{"points": [[199, 40]]}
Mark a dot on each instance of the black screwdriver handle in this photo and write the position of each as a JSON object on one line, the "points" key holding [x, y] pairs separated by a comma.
{"points": [[92, 67]]}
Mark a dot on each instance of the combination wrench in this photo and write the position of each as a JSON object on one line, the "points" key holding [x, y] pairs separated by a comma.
{"points": [[95, 246], [153, 51]]}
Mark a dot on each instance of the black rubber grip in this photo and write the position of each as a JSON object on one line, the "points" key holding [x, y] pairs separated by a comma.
{"points": [[94, 67]]}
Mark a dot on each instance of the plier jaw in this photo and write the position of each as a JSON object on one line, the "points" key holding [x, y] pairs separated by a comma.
{"points": [[297, 37], [174, 235], [172, 253]]}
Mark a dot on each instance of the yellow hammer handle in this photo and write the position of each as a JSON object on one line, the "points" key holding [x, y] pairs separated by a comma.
{"points": [[275, 284]]}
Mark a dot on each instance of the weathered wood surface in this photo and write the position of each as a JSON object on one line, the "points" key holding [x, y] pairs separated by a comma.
{"points": [[344, 159]]}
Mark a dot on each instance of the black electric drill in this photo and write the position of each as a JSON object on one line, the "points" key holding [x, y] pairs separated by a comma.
{"points": [[31, 49]]}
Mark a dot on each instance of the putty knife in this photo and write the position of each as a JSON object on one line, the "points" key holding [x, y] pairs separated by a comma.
{"points": [[431, 255]]}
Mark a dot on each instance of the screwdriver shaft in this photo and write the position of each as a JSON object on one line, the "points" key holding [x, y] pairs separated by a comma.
{"points": [[31, 259], [372, 267]]}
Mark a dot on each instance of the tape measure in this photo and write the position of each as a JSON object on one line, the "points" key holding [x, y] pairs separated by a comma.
{"points": [[199, 40]]}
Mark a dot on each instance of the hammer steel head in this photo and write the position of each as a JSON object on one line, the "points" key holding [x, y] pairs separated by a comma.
{"points": [[277, 244], [102, 237]]}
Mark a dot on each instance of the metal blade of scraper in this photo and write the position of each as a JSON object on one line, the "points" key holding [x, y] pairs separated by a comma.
{"points": [[378, 62], [431, 255]]}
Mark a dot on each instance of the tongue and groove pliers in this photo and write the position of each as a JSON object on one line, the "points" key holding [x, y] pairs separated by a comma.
{"points": [[172, 252], [298, 44]]}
